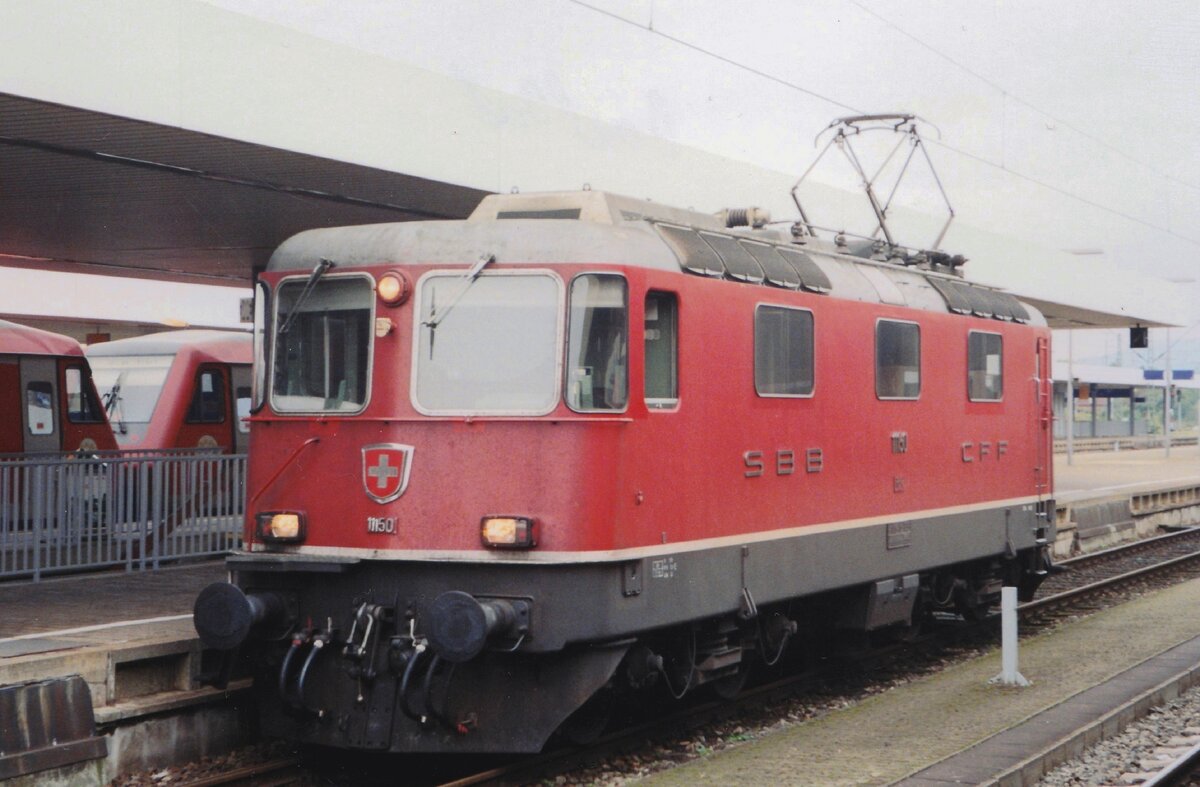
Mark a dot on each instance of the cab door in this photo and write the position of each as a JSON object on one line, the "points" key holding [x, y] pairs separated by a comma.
{"points": [[39, 397]]}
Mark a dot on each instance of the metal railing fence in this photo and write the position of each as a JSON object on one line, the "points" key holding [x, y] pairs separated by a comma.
{"points": [[131, 509]]}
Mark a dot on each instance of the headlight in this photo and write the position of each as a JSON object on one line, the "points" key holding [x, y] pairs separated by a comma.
{"points": [[507, 532], [281, 526], [393, 288]]}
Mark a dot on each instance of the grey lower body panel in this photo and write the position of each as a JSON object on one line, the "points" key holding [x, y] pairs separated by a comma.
{"points": [[582, 618]]}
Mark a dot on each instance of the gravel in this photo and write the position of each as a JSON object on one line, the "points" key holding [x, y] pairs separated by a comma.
{"points": [[1144, 746]]}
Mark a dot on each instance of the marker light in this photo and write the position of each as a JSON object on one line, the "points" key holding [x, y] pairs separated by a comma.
{"points": [[507, 532], [393, 288], [281, 526]]}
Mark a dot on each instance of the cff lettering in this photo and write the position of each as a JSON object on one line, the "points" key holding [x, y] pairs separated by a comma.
{"points": [[381, 524]]}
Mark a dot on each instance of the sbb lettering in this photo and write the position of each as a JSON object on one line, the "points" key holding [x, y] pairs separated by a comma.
{"points": [[784, 461]]}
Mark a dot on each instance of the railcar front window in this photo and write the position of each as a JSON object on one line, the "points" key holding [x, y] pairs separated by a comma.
{"points": [[322, 360], [488, 345], [129, 386], [597, 345]]}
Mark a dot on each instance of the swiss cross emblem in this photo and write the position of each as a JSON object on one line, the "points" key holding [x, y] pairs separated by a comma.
{"points": [[386, 467]]}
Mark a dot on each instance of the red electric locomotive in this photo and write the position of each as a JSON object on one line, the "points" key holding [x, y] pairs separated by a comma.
{"points": [[47, 398], [178, 389], [581, 443]]}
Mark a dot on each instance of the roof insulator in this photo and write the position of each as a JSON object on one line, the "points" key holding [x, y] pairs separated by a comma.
{"points": [[745, 217]]}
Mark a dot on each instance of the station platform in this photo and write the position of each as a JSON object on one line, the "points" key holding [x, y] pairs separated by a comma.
{"points": [[130, 636]]}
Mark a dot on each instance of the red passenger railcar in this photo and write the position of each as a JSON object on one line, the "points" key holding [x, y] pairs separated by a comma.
{"points": [[178, 389], [578, 444], [47, 400]]}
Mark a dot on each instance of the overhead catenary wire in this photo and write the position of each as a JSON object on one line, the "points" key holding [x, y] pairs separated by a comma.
{"points": [[649, 28]]}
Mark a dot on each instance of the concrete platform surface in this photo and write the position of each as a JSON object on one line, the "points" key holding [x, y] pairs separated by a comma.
{"points": [[1097, 473], [900, 732], [88, 601]]}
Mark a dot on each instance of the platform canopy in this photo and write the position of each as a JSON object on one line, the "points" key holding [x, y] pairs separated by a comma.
{"points": [[87, 192]]}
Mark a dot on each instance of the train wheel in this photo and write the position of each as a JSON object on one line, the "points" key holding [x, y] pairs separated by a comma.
{"points": [[728, 687]]}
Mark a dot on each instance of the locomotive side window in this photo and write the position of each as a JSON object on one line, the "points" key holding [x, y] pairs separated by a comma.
{"points": [[783, 351], [897, 360], [82, 407], [597, 343], [985, 366], [662, 350], [490, 345], [208, 399], [39, 402], [322, 359]]}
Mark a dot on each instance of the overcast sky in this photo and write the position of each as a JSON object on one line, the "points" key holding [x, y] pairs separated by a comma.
{"points": [[1070, 124]]}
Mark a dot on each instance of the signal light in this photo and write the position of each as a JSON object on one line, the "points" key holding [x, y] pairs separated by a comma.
{"points": [[281, 527], [507, 532], [393, 288]]}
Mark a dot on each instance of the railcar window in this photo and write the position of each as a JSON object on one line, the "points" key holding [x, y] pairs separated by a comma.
{"points": [[985, 366], [322, 362], [39, 402], [129, 387], [82, 407], [495, 347], [783, 351], [897, 360], [597, 343], [208, 399], [662, 350]]}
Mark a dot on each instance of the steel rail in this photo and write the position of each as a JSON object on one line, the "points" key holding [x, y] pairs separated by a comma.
{"points": [[1179, 771], [260, 774], [1110, 582], [1133, 547]]}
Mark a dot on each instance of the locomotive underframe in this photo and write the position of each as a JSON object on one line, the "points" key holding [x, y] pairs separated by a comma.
{"points": [[351, 667]]}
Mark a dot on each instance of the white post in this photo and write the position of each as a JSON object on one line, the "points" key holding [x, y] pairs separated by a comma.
{"points": [[1070, 397], [1009, 676], [1168, 405]]}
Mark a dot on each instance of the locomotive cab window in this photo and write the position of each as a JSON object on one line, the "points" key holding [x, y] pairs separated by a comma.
{"points": [[897, 359], [662, 350], [597, 343], [783, 351], [985, 366], [489, 345], [322, 344]]}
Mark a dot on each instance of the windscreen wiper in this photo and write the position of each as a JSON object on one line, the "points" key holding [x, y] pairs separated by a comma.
{"points": [[317, 273], [436, 316], [111, 400]]}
